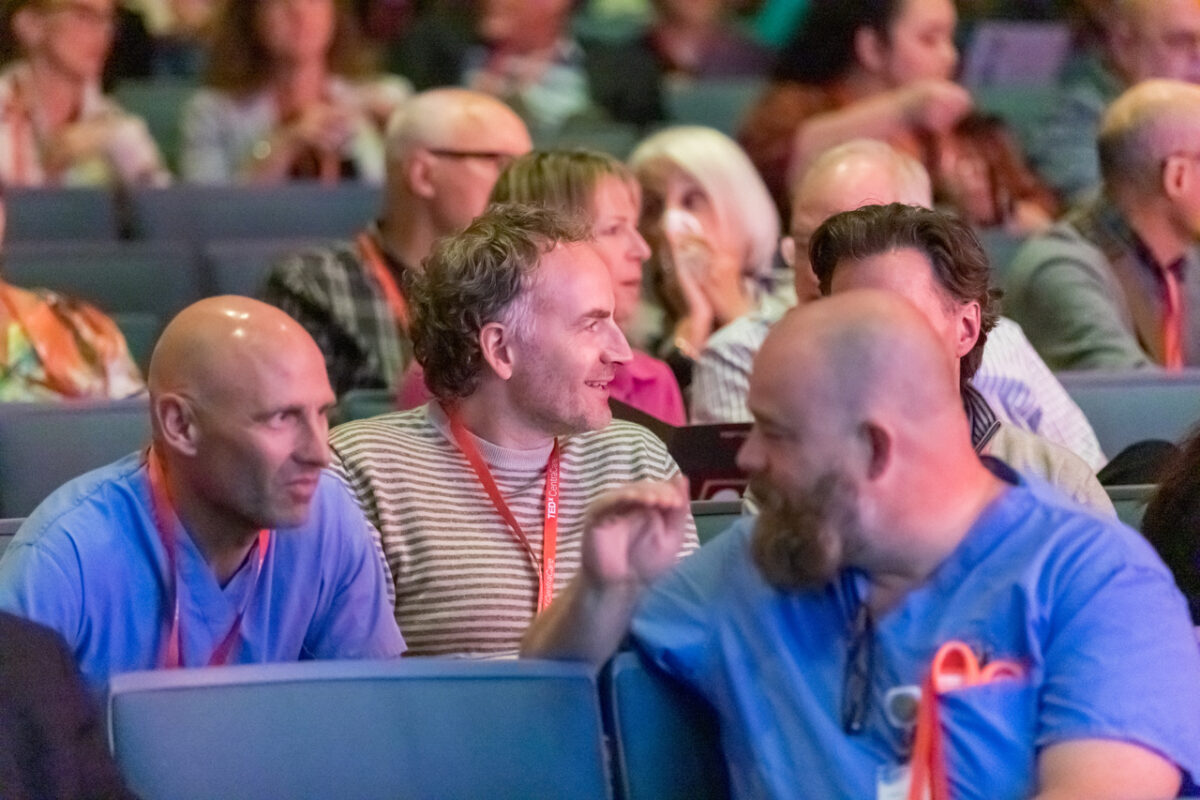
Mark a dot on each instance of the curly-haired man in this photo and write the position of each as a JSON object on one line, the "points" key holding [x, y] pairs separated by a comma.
{"points": [[479, 496]]}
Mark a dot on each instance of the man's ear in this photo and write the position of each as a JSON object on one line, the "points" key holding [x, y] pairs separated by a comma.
{"points": [[879, 448], [970, 324], [496, 342], [870, 49], [418, 172], [1177, 176], [176, 423]]}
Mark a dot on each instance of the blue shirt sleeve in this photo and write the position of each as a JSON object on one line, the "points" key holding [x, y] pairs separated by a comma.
{"points": [[1121, 659], [43, 583], [357, 619]]}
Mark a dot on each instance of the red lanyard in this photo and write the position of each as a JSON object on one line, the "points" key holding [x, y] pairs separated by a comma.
{"points": [[162, 510], [1173, 321], [550, 523], [383, 275]]}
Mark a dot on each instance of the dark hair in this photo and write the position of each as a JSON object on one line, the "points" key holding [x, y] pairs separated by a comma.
{"points": [[822, 49], [958, 260], [1172, 521], [239, 63], [10, 48], [475, 278]]}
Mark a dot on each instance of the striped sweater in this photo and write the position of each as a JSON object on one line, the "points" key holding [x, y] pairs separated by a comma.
{"points": [[463, 584]]}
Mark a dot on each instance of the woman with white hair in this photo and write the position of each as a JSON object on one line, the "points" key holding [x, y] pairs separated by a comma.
{"points": [[713, 228]]}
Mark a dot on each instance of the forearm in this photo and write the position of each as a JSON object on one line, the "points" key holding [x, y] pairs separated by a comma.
{"points": [[879, 117], [585, 623]]}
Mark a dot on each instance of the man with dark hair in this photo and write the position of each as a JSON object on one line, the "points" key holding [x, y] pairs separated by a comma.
{"points": [[1116, 283], [1046, 649], [935, 262], [479, 496]]}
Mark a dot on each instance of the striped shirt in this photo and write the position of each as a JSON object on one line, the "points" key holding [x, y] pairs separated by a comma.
{"points": [[463, 584], [1014, 380]]}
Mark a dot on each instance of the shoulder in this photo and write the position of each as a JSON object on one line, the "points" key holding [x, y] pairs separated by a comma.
{"points": [[744, 336], [1062, 243], [620, 448], [1041, 459], [318, 264], [401, 433]]}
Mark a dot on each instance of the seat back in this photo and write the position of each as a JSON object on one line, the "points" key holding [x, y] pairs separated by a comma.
{"points": [[714, 516], [8, 529], [422, 728], [160, 102], [55, 214], [1130, 501], [715, 103], [239, 266], [1133, 406], [365, 403], [44, 445], [665, 744], [202, 213]]}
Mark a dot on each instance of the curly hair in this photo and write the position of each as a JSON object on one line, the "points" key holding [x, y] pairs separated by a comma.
{"points": [[958, 260], [239, 62], [1172, 520], [477, 277]]}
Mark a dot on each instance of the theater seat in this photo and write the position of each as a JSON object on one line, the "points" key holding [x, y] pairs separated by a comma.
{"points": [[421, 728], [714, 516], [43, 445], [664, 739], [364, 403], [8, 529], [54, 214], [1136, 405]]}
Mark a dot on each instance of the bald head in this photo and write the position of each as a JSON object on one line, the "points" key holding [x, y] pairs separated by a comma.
{"points": [[1155, 39], [441, 118], [1144, 126], [211, 346], [856, 354], [239, 398], [858, 173]]}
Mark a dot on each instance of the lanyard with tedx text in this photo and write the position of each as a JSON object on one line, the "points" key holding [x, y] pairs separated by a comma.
{"points": [[545, 573], [385, 279], [163, 513]]}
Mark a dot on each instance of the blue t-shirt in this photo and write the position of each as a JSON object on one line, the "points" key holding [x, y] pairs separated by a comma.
{"points": [[90, 564], [1082, 600]]}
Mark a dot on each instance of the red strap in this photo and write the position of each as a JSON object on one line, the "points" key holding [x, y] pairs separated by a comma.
{"points": [[1172, 321], [928, 778], [163, 513], [383, 276], [545, 573]]}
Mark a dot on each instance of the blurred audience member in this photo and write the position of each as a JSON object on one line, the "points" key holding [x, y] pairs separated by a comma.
{"points": [[291, 94], [445, 148], [1013, 380], [883, 69], [693, 39], [1172, 521], [52, 742], [54, 347], [1116, 284], [180, 29], [523, 52], [1142, 39], [713, 231], [601, 190], [226, 541], [56, 127]]}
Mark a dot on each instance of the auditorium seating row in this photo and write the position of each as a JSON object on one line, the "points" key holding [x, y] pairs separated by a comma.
{"points": [[422, 728], [42, 445]]}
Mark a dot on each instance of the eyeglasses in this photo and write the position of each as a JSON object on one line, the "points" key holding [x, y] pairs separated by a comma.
{"points": [[860, 662], [501, 160]]}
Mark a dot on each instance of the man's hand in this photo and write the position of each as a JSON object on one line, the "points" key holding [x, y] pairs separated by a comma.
{"points": [[633, 534], [935, 105]]}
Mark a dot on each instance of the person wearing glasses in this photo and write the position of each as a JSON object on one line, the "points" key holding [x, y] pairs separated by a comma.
{"points": [[290, 94], [1116, 283], [820, 630], [445, 149], [56, 127]]}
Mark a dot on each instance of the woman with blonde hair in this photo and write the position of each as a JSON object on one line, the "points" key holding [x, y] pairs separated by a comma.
{"points": [[291, 94]]}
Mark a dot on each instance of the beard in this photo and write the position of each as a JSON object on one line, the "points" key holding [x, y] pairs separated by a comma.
{"points": [[799, 538]]}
